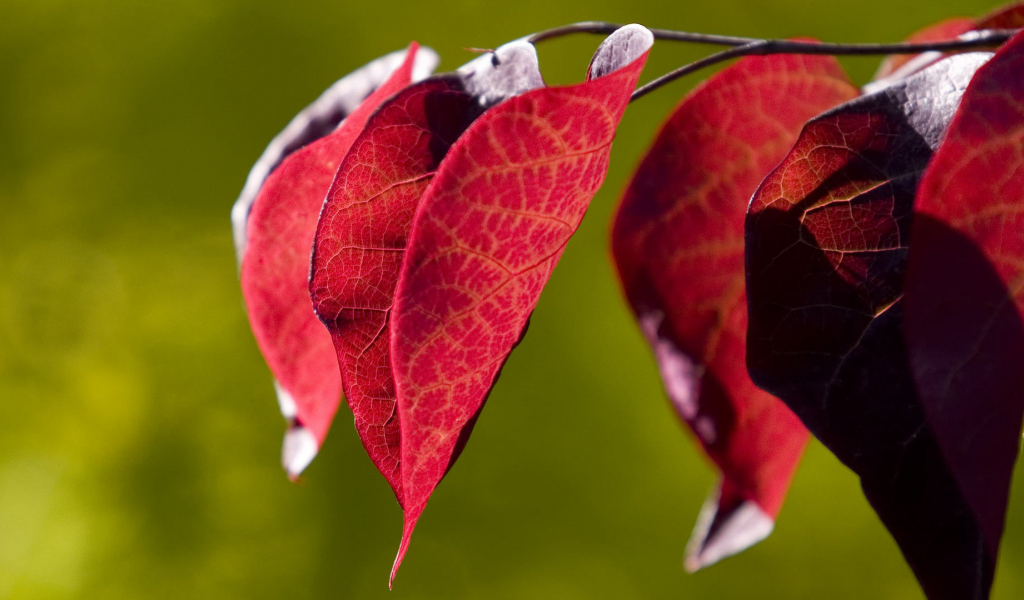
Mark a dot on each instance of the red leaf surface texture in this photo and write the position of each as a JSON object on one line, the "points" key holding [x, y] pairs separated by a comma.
{"points": [[364, 227]]}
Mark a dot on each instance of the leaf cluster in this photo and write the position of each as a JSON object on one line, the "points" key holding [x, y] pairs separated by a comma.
{"points": [[803, 257]]}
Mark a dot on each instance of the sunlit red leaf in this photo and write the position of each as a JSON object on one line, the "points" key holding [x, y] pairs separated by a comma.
{"points": [[678, 244], [275, 237], [364, 227], [827, 234], [965, 292], [485, 238]]}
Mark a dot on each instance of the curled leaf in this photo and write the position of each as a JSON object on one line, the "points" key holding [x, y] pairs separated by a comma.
{"points": [[484, 240], [275, 227], [678, 244], [827, 236]]}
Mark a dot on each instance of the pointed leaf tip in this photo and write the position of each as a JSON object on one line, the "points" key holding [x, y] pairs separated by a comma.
{"points": [[298, 450], [407, 528], [964, 324], [724, 529]]}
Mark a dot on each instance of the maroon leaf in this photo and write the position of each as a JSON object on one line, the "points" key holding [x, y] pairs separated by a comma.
{"points": [[963, 325], [485, 238], [678, 245], [274, 229], [364, 226], [827, 235]]}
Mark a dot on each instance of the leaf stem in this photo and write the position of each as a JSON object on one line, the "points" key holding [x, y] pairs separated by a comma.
{"points": [[744, 46], [604, 28], [987, 38]]}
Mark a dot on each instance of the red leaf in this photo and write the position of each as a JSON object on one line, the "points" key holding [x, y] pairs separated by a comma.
{"points": [[278, 234], [826, 238], [485, 238], [362, 233], [678, 244], [964, 297]]}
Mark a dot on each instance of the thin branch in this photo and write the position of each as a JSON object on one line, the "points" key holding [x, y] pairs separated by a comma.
{"points": [[707, 61], [985, 38], [744, 46], [988, 38], [604, 28]]}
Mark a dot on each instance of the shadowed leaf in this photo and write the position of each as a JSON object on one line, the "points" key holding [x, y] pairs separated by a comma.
{"points": [[827, 235], [964, 297]]}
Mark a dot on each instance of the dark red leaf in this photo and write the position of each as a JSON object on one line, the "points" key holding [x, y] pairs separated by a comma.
{"points": [[827, 235], [277, 236], [485, 238], [964, 297], [678, 244], [364, 226]]}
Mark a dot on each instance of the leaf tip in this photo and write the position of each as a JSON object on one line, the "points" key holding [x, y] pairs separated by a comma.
{"points": [[299, 449], [721, 532], [625, 45], [424, 63], [410, 524], [285, 402]]}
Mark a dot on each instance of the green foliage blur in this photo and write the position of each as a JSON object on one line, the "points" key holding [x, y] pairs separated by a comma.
{"points": [[139, 434]]}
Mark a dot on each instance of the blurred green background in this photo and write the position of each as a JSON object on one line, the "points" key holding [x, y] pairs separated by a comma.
{"points": [[139, 434]]}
